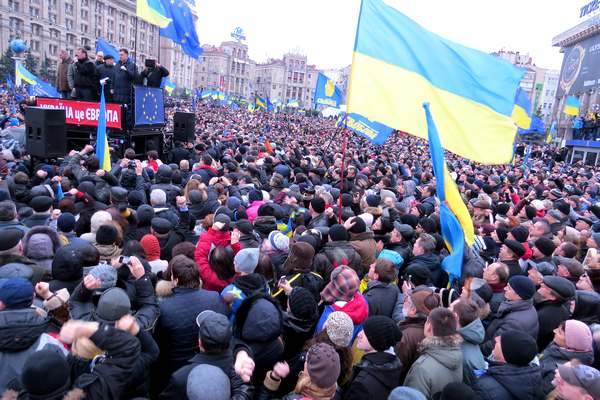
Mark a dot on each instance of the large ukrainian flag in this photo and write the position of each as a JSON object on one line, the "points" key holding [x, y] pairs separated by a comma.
{"points": [[398, 65], [152, 11]]}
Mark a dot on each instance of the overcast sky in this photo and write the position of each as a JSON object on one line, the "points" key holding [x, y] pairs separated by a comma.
{"points": [[324, 30]]}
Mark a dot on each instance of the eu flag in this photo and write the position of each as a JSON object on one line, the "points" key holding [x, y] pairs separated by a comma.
{"points": [[182, 29], [149, 106]]}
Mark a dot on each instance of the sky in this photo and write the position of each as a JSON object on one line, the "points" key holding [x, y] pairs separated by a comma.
{"points": [[324, 30]]}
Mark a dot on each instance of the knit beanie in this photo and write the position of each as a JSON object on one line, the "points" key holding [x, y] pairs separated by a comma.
{"points": [[518, 347], [45, 375], [367, 219], [515, 247], [457, 391], [406, 393], [373, 200], [279, 241], [339, 328], [578, 336], [106, 235], [410, 219], [359, 226], [502, 233], [563, 207], [151, 247], [255, 195], [520, 233], [323, 365], [246, 260], [545, 245], [382, 332], [302, 303], [66, 222], [428, 225], [523, 286], [338, 233]]}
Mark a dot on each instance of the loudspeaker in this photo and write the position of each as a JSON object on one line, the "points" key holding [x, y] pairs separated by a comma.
{"points": [[45, 132], [184, 126]]}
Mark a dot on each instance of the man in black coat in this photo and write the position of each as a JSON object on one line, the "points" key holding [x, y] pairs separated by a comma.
{"points": [[511, 376], [152, 75], [552, 302], [214, 343], [400, 240], [107, 70], [423, 251], [86, 78], [125, 76]]}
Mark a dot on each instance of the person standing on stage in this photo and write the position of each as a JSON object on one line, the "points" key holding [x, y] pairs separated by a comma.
{"points": [[153, 73], [125, 74], [107, 70], [85, 77], [62, 81]]}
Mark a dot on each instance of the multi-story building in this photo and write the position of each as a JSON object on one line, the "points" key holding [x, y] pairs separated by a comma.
{"points": [[49, 26], [545, 105]]}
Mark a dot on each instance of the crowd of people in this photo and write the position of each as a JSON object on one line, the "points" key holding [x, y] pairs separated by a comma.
{"points": [[259, 262]]}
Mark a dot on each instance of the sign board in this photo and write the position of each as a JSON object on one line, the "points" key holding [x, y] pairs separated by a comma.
{"points": [[84, 112], [581, 67]]}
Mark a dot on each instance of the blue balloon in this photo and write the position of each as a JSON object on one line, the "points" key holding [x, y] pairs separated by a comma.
{"points": [[18, 46]]}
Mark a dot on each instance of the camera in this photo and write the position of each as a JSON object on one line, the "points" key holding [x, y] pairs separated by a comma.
{"points": [[150, 63], [131, 164]]}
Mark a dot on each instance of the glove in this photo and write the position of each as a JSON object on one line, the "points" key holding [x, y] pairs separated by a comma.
{"points": [[124, 68]]}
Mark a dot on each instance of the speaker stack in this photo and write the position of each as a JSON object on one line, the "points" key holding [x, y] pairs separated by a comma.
{"points": [[45, 132], [184, 127]]}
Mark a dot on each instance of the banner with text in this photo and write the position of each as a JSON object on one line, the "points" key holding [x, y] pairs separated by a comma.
{"points": [[83, 112]]}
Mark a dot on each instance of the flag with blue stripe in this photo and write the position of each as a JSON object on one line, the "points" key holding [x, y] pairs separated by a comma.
{"points": [[522, 110], [182, 28], [107, 48], [326, 92], [102, 149]]}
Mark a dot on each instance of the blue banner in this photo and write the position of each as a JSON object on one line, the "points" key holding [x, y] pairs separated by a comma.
{"points": [[326, 93], [149, 106], [375, 132], [107, 48]]}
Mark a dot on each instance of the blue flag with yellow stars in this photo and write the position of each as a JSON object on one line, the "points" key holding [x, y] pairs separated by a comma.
{"points": [[149, 106], [182, 27]]}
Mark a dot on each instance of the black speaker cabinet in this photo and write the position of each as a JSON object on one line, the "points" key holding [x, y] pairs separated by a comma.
{"points": [[45, 132], [184, 126]]}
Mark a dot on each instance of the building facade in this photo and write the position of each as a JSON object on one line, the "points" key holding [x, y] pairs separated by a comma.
{"points": [[49, 26]]}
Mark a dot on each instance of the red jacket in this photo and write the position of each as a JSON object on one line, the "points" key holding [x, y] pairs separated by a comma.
{"points": [[210, 280]]}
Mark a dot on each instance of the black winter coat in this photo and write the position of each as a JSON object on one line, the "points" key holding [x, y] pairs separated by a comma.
{"points": [[402, 248], [509, 382], [382, 299], [550, 315], [334, 254], [554, 356], [154, 76], [374, 377], [85, 75], [124, 81], [439, 277]]}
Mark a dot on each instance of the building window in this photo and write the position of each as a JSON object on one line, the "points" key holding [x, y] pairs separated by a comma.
{"points": [[54, 34], [16, 26], [85, 41], [52, 18], [35, 45], [70, 39], [84, 28], [111, 24], [85, 3], [69, 24], [110, 37], [36, 30], [68, 9], [34, 12], [53, 49], [14, 5], [84, 14], [111, 11]]}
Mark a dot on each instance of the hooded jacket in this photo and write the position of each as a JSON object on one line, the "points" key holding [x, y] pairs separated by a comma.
{"points": [[296, 332], [439, 277], [517, 315], [509, 382], [374, 377], [439, 364], [334, 254], [553, 356], [210, 280], [243, 287], [550, 314], [252, 211], [473, 335], [357, 309]]}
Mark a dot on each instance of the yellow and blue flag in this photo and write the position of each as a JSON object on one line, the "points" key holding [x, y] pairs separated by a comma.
{"points": [[168, 85], [572, 106], [270, 106], [326, 93], [102, 149], [375, 132], [261, 103], [455, 221], [207, 94], [37, 87], [398, 65], [153, 12], [182, 28], [107, 48], [251, 107], [23, 75], [522, 110], [292, 103]]}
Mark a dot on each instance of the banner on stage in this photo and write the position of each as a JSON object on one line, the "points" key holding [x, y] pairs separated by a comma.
{"points": [[83, 112]]}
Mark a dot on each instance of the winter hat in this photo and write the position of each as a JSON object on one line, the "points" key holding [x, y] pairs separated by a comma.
{"points": [[583, 376], [313, 240], [279, 241], [113, 304], [66, 265], [107, 275], [207, 382], [41, 203], [213, 328], [144, 215], [367, 219], [457, 391], [545, 246], [246, 260], [323, 365], [563, 207], [338, 233], [537, 204], [318, 205], [339, 328], [255, 195], [428, 225], [300, 258], [561, 286], [406, 393], [373, 200], [518, 347], [520, 233], [425, 209], [381, 331], [244, 226], [578, 336], [223, 219], [359, 225], [523, 286], [410, 219], [419, 274], [161, 226], [574, 267], [9, 238], [151, 247], [233, 203], [424, 299], [346, 200], [46, 375], [530, 212], [502, 233], [302, 304], [16, 270], [556, 192], [136, 198], [515, 247], [106, 235], [66, 222], [392, 256], [343, 285], [502, 208], [16, 292]]}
